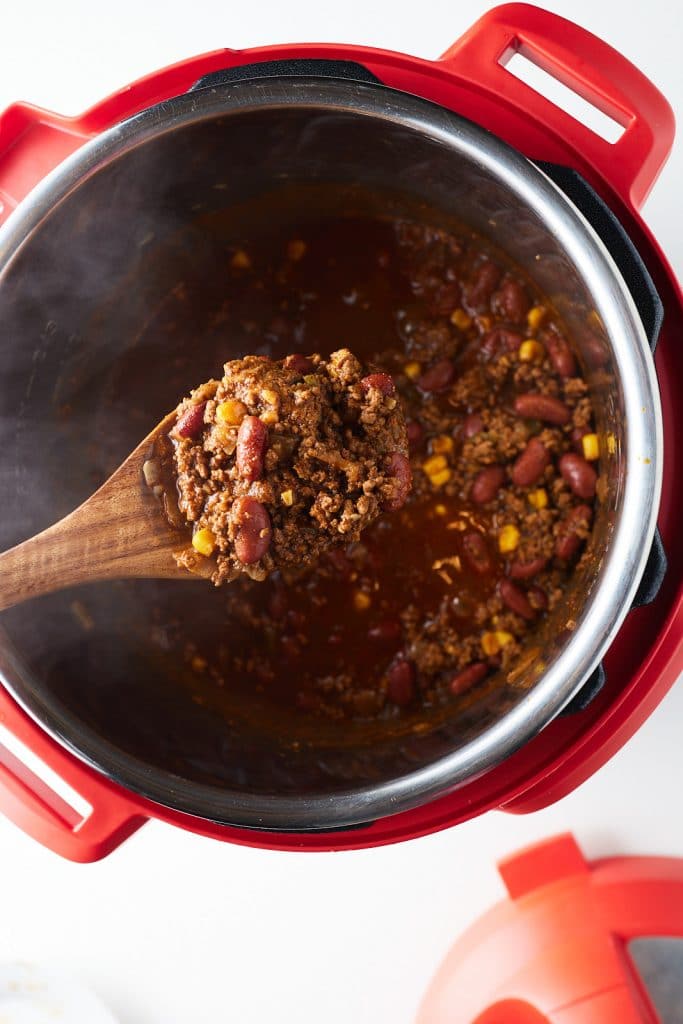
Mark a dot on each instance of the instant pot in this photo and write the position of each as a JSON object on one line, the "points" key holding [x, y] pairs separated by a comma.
{"points": [[467, 136]]}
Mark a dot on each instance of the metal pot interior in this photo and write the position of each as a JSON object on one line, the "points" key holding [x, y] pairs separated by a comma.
{"points": [[80, 281]]}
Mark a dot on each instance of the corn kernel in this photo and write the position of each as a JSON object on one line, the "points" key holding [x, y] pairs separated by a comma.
{"points": [[198, 663], [269, 416], [412, 370], [460, 319], [296, 250], [538, 498], [440, 510], [590, 446], [535, 317], [484, 322], [611, 443], [270, 396], [240, 260], [361, 601], [508, 539], [440, 478], [287, 497], [442, 444], [204, 542], [434, 464], [531, 351], [231, 412], [491, 643]]}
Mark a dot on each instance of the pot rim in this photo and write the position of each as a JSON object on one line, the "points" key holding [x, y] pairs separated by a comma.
{"points": [[623, 565]]}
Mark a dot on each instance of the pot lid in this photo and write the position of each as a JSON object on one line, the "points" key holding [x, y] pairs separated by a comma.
{"points": [[575, 942]]}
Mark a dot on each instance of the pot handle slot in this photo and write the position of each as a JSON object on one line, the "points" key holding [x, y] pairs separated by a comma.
{"points": [[291, 67], [103, 817], [587, 66]]}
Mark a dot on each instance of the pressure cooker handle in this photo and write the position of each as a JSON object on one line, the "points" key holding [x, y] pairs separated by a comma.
{"points": [[590, 68], [31, 804]]}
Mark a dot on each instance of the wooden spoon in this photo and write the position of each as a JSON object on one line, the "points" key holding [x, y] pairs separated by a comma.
{"points": [[121, 531]]}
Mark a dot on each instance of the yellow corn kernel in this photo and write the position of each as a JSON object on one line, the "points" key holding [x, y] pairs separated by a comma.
{"points": [[440, 478], [484, 322], [535, 317], [611, 443], [287, 497], [442, 444], [440, 510], [198, 663], [412, 370], [204, 542], [296, 250], [434, 464], [460, 319], [270, 396], [591, 447], [269, 416], [240, 260], [531, 351], [538, 498], [361, 601], [508, 539], [492, 642], [231, 412]]}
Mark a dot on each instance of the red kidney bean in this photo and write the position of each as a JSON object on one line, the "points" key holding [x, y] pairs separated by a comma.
{"points": [[191, 422], [252, 438], [468, 677], [516, 600], [538, 599], [499, 340], [252, 529], [277, 604], [401, 682], [299, 364], [525, 570], [438, 377], [443, 298], [529, 466], [486, 484], [388, 630], [560, 354], [576, 435], [476, 553], [414, 433], [511, 301], [380, 381], [472, 425], [595, 350], [398, 468], [340, 561], [481, 285], [579, 474], [534, 406], [568, 540]]}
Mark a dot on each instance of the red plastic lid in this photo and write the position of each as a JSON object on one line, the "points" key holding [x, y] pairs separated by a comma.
{"points": [[557, 950]]}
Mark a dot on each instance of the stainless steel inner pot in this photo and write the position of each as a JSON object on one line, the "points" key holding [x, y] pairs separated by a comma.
{"points": [[95, 223]]}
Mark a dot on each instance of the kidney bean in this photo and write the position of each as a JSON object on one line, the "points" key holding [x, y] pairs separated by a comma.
{"points": [[529, 466], [443, 298], [438, 377], [516, 600], [595, 350], [486, 484], [414, 433], [499, 340], [380, 381], [481, 285], [525, 570], [385, 631], [576, 435], [299, 364], [277, 604], [534, 406], [191, 423], [560, 354], [252, 529], [340, 562], [401, 682], [472, 425], [579, 474], [538, 599], [476, 553], [468, 677], [568, 540], [252, 438], [511, 301], [398, 468]]}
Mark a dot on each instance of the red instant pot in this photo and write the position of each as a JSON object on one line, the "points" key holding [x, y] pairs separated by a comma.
{"points": [[471, 80]]}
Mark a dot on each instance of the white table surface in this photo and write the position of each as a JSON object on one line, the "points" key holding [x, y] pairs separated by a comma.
{"points": [[173, 928]]}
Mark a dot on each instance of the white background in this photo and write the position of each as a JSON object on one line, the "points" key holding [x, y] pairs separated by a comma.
{"points": [[172, 928]]}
